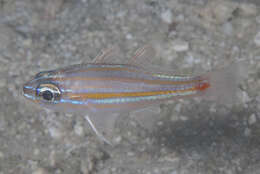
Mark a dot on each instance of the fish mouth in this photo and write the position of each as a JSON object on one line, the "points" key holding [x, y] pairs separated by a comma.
{"points": [[28, 91]]}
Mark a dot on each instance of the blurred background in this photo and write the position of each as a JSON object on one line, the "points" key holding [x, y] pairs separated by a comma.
{"points": [[191, 136]]}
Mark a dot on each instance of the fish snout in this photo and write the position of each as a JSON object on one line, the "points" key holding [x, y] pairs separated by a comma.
{"points": [[28, 91]]}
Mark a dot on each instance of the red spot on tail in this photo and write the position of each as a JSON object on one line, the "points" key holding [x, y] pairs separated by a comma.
{"points": [[203, 86]]}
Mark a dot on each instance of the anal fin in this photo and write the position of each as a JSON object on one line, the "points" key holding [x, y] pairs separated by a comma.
{"points": [[147, 117], [103, 125]]}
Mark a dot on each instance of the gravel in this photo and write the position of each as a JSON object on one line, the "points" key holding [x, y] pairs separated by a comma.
{"points": [[190, 36]]}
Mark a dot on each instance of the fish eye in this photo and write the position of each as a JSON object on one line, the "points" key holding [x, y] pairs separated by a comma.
{"points": [[47, 95], [48, 92]]}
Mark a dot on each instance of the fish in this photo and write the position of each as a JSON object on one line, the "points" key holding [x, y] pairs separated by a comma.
{"points": [[103, 89]]}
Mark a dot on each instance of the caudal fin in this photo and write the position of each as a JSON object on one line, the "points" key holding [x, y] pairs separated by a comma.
{"points": [[223, 83]]}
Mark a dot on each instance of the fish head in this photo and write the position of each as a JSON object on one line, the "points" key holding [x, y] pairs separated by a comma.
{"points": [[41, 89]]}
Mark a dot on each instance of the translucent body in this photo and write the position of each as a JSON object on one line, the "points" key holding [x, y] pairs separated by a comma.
{"points": [[112, 87], [101, 89]]}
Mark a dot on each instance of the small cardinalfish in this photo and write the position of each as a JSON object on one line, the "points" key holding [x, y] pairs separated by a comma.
{"points": [[101, 89]]}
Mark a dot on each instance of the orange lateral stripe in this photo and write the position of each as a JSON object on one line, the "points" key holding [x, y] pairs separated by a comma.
{"points": [[83, 96]]}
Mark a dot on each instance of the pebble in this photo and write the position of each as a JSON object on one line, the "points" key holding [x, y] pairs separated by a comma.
{"points": [[257, 19], [167, 16], [247, 132], [40, 171], [227, 28], [87, 166], [78, 129], [218, 11], [117, 139], [3, 82], [84, 168], [244, 97], [52, 158], [223, 11], [178, 107], [2, 155], [183, 118], [258, 98], [190, 60], [248, 9], [174, 172], [180, 45], [257, 39], [212, 108], [173, 118], [6, 36], [4, 59], [27, 43], [252, 119], [55, 133], [53, 7], [36, 152], [130, 153], [129, 36]]}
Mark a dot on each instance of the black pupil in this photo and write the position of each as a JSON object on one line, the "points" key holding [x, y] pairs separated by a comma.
{"points": [[47, 95]]}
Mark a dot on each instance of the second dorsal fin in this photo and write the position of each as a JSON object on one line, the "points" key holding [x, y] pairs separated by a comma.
{"points": [[146, 57]]}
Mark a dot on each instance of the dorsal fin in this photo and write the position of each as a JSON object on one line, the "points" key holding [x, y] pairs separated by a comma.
{"points": [[110, 55], [145, 57]]}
